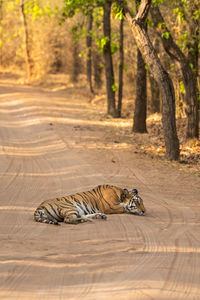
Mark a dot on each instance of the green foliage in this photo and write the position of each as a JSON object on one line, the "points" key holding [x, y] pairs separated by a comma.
{"points": [[83, 54], [184, 10], [98, 16], [101, 41], [114, 47], [196, 15], [157, 2], [182, 87], [166, 35], [184, 39], [193, 68], [114, 87], [125, 67], [180, 14], [11, 6], [35, 9], [84, 6], [149, 22], [162, 25], [78, 31], [114, 43], [117, 11]]}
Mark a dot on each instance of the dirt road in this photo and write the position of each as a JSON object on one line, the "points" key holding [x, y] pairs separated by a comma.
{"points": [[49, 149]]}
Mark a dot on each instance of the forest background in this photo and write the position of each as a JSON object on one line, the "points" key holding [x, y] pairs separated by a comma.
{"points": [[138, 60]]}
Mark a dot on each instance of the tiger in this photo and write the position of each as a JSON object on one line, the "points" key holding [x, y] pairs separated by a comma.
{"points": [[93, 204]]}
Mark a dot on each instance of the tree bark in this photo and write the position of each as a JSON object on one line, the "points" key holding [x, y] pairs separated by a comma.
{"points": [[111, 110], [75, 63], [139, 120], [193, 56], [29, 65], [155, 93], [161, 76], [121, 68], [97, 69], [186, 72], [89, 52], [1, 19]]}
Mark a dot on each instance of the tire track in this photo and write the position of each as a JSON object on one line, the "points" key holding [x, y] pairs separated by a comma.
{"points": [[126, 257]]}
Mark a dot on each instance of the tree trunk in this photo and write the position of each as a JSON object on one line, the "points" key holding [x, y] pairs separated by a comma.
{"points": [[97, 69], [121, 68], [186, 72], [1, 35], [29, 65], [155, 93], [161, 76], [111, 110], [89, 51], [193, 55], [75, 63], [139, 120]]}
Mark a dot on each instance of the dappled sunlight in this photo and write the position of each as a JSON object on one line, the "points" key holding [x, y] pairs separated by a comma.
{"points": [[50, 109], [100, 145], [22, 208], [69, 170], [32, 151], [70, 177], [157, 117], [63, 261], [62, 120], [42, 263]]}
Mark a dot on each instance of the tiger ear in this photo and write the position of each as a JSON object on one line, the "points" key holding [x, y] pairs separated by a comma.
{"points": [[135, 191], [124, 195]]}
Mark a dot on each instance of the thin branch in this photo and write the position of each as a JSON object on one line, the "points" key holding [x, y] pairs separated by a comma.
{"points": [[143, 11]]}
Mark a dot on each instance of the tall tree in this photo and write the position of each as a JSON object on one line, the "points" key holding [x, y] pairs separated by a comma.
{"points": [[186, 72], [139, 120], [193, 20], [121, 68], [1, 19], [110, 81], [28, 59], [140, 112], [97, 68], [75, 62], [155, 93], [89, 50], [145, 46], [74, 6]]}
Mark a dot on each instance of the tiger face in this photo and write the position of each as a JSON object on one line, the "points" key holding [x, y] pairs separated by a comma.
{"points": [[132, 202]]}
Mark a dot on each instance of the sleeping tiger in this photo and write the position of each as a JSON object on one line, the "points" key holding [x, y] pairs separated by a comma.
{"points": [[93, 204]]}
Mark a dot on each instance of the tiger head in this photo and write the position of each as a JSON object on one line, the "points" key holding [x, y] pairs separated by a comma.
{"points": [[132, 202]]}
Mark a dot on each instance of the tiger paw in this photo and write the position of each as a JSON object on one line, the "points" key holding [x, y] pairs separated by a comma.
{"points": [[101, 216]]}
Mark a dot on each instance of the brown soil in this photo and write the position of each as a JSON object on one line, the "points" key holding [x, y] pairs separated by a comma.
{"points": [[54, 143]]}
